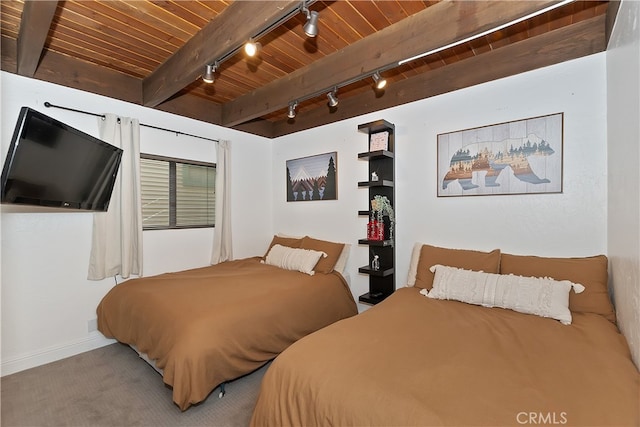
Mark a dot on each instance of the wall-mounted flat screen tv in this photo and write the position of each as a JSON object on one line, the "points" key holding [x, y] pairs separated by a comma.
{"points": [[52, 164]]}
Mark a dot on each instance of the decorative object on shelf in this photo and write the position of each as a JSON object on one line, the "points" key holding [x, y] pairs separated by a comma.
{"points": [[380, 207], [375, 263], [374, 176], [312, 178], [379, 141], [518, 157], [375, 229]]}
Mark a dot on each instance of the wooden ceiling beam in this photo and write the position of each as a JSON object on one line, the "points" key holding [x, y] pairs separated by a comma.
{"points": [[240, 21], [432, 28], [77, 74], [194, 107], [259, 127], [8, 55], [564, 44], [34, 28]]}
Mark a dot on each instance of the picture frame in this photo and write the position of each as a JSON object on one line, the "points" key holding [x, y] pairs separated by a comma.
{"points": [[379, 141], [517, 157], [312, 178]]}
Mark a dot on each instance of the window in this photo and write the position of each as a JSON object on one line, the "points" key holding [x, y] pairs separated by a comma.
{"points": [[177, 193]]}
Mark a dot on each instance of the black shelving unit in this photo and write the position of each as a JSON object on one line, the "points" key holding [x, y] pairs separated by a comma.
{"points": [[381, 281]]}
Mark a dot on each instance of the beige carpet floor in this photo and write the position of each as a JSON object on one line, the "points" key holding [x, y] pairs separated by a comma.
{"points": [[111, 386]]}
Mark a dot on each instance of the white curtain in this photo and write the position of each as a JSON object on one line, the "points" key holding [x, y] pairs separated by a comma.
{"points": [[222, 250], [117, 234]]}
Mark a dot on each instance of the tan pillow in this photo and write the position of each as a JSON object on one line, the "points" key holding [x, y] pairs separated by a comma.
{"points": [[290, 242], [588, 271], [489, 262], [332, 249]]}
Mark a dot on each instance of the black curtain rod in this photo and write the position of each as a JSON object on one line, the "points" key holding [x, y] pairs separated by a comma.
{"points": [[177, 132]]}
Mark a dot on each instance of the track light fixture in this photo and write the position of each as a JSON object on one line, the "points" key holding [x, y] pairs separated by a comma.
{"points": [[292, 109], [380, 83], [208, 76], [333, 99], [251, 48], [311, 27]]}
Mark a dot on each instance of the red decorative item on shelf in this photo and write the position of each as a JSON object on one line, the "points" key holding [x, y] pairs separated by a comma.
{"points": [[371, 229], [375, 230]]}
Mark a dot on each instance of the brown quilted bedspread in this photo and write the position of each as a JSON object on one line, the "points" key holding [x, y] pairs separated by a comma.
{"points": [[412, 360], [209, 325]]}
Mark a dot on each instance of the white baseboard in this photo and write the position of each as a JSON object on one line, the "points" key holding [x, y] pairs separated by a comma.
{"points": [[92, 341]]}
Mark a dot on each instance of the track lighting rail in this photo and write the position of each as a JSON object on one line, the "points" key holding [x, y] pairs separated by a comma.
{"points": [[311, 30], [303, 8], [376, 73], [334, 88]]}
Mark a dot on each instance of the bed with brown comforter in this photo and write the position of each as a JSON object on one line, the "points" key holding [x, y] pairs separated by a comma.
{"points": [[206, 326], [413, 360]]}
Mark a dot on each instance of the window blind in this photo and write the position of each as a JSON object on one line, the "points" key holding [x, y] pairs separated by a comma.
{"points": [[177, 193]]}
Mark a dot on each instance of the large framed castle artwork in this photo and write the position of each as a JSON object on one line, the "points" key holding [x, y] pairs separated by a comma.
{"points": [[518, 157], [312, 178]]}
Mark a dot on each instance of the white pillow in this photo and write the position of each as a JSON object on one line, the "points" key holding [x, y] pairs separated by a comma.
{"points": [[544, 297], [302, 260], [413, 264], [341, 263]]}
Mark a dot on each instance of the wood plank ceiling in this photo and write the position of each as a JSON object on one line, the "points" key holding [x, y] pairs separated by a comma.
{"points": [[153, 52]]}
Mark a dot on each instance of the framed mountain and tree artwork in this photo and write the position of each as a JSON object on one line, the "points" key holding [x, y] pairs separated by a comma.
{"points": [[312, 178], [518, 157]]}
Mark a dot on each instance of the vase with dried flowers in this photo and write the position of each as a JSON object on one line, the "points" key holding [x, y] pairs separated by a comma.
{"points": [[380, 207]]}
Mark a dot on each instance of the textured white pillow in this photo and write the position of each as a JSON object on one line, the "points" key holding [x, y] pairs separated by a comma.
{"points": [[532, 295], [302, 260]]}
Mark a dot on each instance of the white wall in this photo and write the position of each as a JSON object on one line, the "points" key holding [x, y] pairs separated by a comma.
{"points": [[623, 102], [46, 300], [569, 224]]}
